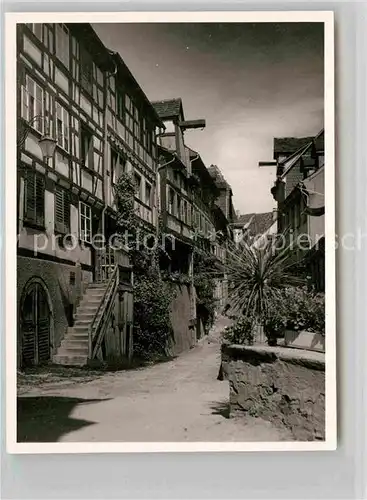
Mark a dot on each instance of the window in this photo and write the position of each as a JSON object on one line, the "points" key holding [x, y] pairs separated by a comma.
{"points": [[36, 29], [48, 37], [137, 182], [171, 200], [34, 198], [120, 109], [128, 104], [178, 212], [184, 211], [62, 210], [148, 194], [33, 104], [188, 214], [85, 222], [86, 152], [44, 33], [62, 44], [86, 71], [132, 118], [62, 126], [118, 164]]}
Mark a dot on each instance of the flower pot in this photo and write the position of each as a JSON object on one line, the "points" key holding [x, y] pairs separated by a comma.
{"points": [[304, 340]]}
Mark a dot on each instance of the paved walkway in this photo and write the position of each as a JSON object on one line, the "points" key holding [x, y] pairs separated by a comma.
{"points": [[180, 400]]}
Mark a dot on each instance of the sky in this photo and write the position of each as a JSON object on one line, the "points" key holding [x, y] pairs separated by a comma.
{"points": [[250, 82]]}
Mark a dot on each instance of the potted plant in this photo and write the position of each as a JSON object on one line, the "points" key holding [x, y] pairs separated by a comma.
{"points": [[276, 320], [306, 321], [256, 276], [241, 332]]}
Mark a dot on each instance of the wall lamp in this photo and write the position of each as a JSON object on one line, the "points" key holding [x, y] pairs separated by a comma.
{"points": [[47, 143]]}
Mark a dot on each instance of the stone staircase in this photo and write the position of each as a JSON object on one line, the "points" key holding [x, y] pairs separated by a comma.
{"points": [[73, 350]]}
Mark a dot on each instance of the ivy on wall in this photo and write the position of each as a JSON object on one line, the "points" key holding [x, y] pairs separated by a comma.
{"points": [[153, 288]]}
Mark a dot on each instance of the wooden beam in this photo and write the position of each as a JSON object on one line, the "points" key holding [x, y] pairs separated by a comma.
{"points": [[192, 124], [267, 163]]}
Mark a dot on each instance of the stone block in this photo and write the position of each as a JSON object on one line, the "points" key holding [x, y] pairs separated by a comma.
{"points": [[283, 386]]}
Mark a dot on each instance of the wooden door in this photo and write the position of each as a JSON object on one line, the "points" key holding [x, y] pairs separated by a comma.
{"points": [[35, 327]]}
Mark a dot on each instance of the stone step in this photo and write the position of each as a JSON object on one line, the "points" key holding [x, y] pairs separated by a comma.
{"points": [[87, 309], [86, 315], [82, 321], [92, 300], [72, 342], [73, 350], [94, 292], [81, 337], [70, 360], [80, 329], [97, 286]]}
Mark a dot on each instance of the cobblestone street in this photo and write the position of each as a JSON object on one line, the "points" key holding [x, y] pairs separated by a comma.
{"points": [[180, 400]]}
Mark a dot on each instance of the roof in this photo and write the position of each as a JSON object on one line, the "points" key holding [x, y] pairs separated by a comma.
{"points": [[111, 61], [319, 141], [168, 108], [243, 219], [257, 223], [218, 177], [199, 169], [314, 144], [289, 145], [123, 69], [288, 163], [85, 33]]}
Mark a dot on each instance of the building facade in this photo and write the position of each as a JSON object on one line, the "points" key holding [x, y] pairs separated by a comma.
{"points": [[299, 193], [72, 89], [188, 199]]}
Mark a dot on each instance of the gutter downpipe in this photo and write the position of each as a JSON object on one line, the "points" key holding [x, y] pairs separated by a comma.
{"points": [[108, 76]]}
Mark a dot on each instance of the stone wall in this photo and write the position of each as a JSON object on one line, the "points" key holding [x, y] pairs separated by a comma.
{"points": [[60, 288], [285, 386]]}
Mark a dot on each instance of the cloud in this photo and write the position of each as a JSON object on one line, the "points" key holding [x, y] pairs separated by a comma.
{"points": [[251, 82]]}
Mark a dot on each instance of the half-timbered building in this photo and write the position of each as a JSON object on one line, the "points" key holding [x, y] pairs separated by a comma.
{"points": [[76, 93]]}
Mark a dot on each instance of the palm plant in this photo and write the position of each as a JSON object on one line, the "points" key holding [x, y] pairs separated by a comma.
{"points": [[256, 277]]}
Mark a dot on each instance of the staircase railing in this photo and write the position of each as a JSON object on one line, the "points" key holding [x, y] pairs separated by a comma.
{"points": [[98, 326]]}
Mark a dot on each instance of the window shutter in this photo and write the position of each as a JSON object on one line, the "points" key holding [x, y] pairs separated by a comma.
{"points": [[59, 210], [34, 205], [62, 210], [29, 204], [40, 200]]}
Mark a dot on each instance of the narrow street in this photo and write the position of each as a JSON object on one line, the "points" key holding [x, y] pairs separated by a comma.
{"points": [[180, 400]]}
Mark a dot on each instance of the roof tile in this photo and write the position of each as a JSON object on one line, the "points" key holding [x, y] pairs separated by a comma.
{"points": [[168, 108], [288, 145]]}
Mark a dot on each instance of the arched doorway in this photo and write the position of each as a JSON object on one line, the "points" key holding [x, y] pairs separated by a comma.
{"points": [[35, 324]]}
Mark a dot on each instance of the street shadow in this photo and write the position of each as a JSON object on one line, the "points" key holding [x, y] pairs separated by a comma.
{"points": [[44, 419], [220, 408]]}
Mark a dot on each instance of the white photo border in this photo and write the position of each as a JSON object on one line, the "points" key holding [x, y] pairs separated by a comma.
{"points": [[11, 19]]}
